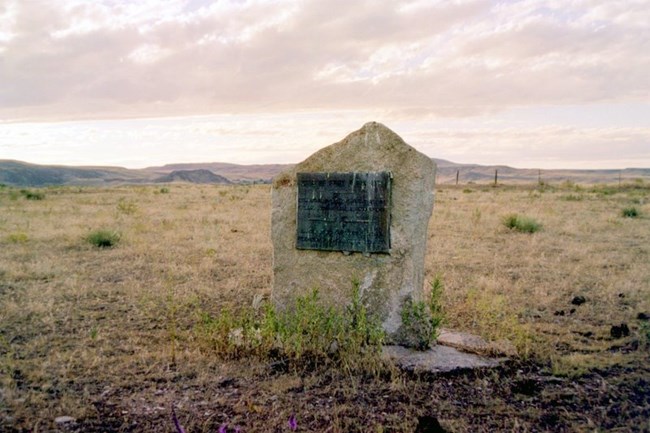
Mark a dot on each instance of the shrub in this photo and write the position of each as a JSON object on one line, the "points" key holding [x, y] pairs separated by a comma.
{"points": [[573, 197], [630, 212], [18, 238], [416, 330], [494, 317], [126, 206], [421, 320], [521, 223], [164, 190], [644, 334], [103, 238], [32, 195], [305, 333], [435, 305]]}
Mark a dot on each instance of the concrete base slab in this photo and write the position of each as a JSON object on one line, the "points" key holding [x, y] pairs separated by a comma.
{"points": [[438, 359]]}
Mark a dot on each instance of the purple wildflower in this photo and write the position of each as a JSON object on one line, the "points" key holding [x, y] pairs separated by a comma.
{"points": [[293, 424], [179, 427], [237, 429], [223, 428]]}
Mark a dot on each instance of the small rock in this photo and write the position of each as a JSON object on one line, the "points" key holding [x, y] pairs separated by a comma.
{"points": [[621, 295], [527, 387], [559, 313], [573, 310], [60, 420], [643, 316], [578, 300], [620, 331], [429, 424]]}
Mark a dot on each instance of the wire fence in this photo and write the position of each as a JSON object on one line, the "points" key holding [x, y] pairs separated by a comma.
{"points": [[483, 176]]}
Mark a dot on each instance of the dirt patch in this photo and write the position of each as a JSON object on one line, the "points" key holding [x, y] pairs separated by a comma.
{"points": [[517, 397]]}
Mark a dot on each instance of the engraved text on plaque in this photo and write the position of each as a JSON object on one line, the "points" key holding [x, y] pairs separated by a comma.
{"points": [[344, 211]]}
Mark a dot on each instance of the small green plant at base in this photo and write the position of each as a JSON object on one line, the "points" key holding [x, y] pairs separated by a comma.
{"points": [[521, 224], [416, 330], [103, 238], [164, 190], [630, 212], [421, 319]]}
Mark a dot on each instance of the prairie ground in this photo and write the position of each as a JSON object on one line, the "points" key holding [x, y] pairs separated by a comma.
{"points": [[108, 335]]}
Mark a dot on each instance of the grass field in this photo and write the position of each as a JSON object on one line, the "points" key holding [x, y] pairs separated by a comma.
{"points": [[109, 336]]}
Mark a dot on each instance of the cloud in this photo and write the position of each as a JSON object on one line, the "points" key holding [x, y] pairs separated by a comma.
{"points": [[72, 58]]}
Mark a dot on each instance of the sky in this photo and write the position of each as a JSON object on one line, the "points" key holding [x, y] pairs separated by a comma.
{"points": [[136, 83]]}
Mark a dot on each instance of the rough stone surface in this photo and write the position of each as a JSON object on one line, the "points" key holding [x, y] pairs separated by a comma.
{"points": [[438, 359], [385, 280]]}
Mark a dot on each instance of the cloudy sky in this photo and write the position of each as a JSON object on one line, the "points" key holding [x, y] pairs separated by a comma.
{"points": [[531, 83]]}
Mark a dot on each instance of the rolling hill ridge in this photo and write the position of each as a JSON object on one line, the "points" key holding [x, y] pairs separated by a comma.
{"points": [[18, 173]]}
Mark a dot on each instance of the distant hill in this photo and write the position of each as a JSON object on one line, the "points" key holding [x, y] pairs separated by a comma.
{"points": [[234, 172], [193, 176], [24, 174], [474, 173]]}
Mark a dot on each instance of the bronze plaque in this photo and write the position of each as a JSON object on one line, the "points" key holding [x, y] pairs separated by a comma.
{"points": [[344, 211]]}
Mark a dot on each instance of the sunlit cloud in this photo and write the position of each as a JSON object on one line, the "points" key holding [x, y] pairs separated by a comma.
{"points": [[403, 61]]}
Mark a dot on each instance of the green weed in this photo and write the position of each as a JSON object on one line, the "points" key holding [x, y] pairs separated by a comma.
{"points": [[435, 302], [127, 207], [644, 335], [630, 212], [306, 333], [18, 238], [521, 223], [103, 238], [421, 320], [493, 317], [572, 197], [32, 195]]}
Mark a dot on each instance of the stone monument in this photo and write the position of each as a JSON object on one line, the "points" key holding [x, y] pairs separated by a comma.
{"points": [[354, 212]]}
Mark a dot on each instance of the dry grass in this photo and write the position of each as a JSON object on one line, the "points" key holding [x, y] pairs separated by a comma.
{"points": [[519, 286], [78, 322]]}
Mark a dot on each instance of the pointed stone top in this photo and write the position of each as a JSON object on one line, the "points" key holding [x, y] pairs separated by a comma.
{"points": [[374, 147], [372, 124]]}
